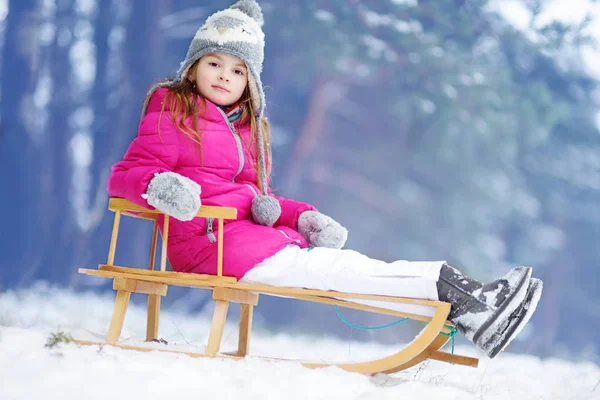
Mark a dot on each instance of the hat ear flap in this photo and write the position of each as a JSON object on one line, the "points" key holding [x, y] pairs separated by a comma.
{"points": [[185, 74], [254, 94]]}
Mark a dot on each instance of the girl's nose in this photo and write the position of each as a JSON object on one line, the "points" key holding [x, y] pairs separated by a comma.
{"points": [[224, 77]]}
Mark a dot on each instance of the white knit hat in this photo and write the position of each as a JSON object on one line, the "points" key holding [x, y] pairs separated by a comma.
{"points": [[235, 31]]}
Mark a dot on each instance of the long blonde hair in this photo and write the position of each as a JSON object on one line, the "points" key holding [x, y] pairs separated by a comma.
{"points": [[182, 99]]}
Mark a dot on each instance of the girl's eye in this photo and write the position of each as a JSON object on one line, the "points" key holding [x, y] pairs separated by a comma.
{"points": [[213, 64], [239, 72]]}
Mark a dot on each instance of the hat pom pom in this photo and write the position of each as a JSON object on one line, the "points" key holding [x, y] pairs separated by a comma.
{"points": [[265, 210], [250, 8]]}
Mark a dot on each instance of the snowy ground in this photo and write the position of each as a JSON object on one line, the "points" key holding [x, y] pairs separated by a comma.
{"points": [[28, 370]]}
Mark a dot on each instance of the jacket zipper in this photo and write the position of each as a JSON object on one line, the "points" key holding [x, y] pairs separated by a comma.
{"points": [[209, 230], [253, 190], [287, 236], [238, 143]]}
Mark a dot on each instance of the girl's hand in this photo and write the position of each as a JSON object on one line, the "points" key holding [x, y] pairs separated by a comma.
{"points": [[174, 195], [322, 231]]}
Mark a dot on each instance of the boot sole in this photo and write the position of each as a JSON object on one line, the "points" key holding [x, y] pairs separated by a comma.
{"points": [[534, 293], [484, 336]]}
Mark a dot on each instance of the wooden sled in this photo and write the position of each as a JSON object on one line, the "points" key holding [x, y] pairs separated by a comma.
{"points": [[226, 290]]}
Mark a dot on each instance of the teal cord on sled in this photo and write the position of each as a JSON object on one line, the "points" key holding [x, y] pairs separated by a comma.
{"points": [[451, 335], [367, 328], [452, 329]]}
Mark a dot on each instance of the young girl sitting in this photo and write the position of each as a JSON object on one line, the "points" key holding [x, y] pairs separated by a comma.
{"points": [[203, 139]]}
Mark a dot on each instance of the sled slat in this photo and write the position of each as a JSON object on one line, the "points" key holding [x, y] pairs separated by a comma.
{"points": [[153, 317], [113, 239], [136, 286], [220, 248], [362, 307], [117, 204], [217, 327], [172, 274], [454, 358], [116, 323], [183, 280], [236, 296], [246, 312], [165, 239], [153, 246]]}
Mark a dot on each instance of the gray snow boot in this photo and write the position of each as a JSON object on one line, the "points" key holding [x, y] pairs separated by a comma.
{"points": [[520, 317], [482, 312]]}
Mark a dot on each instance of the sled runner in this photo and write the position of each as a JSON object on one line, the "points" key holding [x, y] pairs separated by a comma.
{"points": [[225, 290]]}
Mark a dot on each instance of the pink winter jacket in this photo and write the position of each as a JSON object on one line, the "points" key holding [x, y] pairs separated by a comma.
{"points": [[227, 177]]}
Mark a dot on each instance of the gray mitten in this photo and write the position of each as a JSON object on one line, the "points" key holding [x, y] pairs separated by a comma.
{"points": [[174, 195], [322, 231]]}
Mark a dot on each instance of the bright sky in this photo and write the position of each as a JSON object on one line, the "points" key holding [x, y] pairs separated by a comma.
{"points": [[571, 11], [30, 371]]}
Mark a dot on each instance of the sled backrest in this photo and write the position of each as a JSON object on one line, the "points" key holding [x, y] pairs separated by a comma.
{"points": [[124, 207]]}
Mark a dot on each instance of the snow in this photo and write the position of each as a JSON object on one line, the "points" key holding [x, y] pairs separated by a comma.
{"points": [[28, 370]]}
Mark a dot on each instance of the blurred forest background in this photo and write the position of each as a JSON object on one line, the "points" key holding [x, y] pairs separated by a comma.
{"points": [[432, 129]]}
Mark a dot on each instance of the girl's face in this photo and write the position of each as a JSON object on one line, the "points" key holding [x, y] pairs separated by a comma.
{"points": [[221, 78]]}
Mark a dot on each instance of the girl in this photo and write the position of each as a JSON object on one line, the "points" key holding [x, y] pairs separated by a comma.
{"points": [[203, 139]]}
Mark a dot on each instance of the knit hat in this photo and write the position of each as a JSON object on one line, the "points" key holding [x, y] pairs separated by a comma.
{"points": [[236, 31]]}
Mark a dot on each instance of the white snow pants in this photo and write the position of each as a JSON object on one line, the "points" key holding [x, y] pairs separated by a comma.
{"points": [[350, 271]]}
